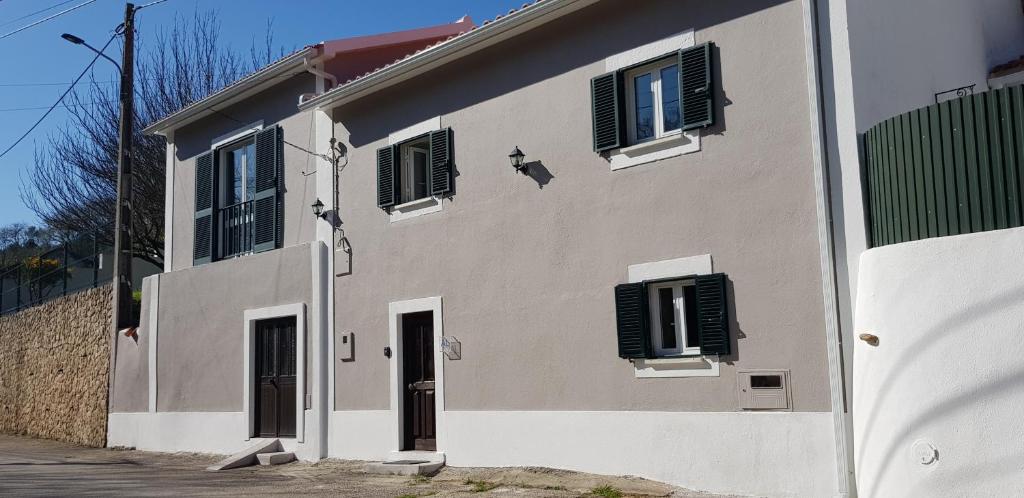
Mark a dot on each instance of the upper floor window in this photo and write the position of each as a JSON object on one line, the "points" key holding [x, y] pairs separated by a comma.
{"points": [[238, 202], [415, 169], [653, 105], [653, 99]]}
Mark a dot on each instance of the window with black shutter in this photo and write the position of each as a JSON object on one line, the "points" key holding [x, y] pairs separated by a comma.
{"points": [[415, 169], [238, 201], [652, 100], [673, 317]]}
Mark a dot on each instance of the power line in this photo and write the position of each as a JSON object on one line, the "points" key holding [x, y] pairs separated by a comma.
{"points": [[14, 109], [61, 99], [51, 7], [65, 11]]}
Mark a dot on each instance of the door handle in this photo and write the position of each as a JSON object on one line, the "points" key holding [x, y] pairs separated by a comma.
{"points": [[412, 387]]}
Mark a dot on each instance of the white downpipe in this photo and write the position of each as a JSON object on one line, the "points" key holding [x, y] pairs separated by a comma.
{"points": [[843, 463]]}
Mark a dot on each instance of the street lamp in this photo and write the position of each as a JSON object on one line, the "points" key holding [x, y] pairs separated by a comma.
{"points": [[78, 41]]}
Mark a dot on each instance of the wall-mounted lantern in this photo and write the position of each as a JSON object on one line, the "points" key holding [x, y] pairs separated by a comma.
{"points": [[518, 160], [318, 208]]}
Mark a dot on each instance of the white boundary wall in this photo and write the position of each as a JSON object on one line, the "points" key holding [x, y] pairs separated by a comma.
{"points": [[947, 373], [768, 453]]}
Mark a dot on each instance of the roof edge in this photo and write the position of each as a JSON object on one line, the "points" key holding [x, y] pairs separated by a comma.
{"points": [[484, 36], [231, 93]]}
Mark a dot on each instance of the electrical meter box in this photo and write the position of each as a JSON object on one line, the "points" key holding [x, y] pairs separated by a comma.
{"points": [[763, 389]]}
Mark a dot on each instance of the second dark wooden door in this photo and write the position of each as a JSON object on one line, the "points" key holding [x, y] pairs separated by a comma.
{"points": [[275, 378], [418, 377]]}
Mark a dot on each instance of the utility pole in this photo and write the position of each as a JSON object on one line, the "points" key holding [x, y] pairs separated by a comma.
{"points": [[122, 299]]}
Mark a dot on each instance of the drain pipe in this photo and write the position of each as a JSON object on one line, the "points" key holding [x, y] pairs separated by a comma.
{"points": [[823, 204]]}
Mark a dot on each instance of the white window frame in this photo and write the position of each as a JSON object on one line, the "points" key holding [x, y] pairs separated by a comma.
{"points": [[407, 172], [238, 142], [222, 153], [679, 308], [654, 70]]}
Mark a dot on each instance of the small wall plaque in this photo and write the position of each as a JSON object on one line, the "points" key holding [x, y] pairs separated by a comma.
{"points": [[451, 347]]}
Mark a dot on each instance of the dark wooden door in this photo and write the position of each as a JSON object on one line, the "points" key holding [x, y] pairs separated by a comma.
{"points": [[418, 377], [275, 378]]}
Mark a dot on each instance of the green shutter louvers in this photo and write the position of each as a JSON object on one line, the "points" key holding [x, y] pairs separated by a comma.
{"points": [[203, 235], [606, 106], [631, 320], [267, 200], [441, 162], [712, 314], [386, 185], [696, 95]]}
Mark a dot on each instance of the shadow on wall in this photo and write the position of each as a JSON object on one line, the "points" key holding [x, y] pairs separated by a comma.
{"points": [[539, 173], [936, 336], [558, 47], [735, 332]]}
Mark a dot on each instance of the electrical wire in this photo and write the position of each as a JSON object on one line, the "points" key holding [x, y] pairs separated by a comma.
{"points": [[61, 99], [148, 4], [65, 11], [40, 11], [15, 109]]}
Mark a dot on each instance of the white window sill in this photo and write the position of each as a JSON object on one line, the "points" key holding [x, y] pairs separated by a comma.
{"points": [[655, 150], [683, 366], [419, 207]]}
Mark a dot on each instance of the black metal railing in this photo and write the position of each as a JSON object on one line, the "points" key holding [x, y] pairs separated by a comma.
{"points": [[59, 271], [236, 229]]}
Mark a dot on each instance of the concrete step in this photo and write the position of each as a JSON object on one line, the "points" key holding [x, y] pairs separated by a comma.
{"points": [[408, 463], [275, 458], [247, 456], [404, 467]]}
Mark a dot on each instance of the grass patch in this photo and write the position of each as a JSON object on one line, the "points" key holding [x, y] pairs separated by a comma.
{"points": [[606, 491], [481, 486]]}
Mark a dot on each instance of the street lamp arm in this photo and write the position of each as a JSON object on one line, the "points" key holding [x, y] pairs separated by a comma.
{"points": [[101, 54]]}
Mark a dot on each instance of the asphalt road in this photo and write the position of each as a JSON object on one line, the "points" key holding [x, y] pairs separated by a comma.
{"points": [[36, 467]]}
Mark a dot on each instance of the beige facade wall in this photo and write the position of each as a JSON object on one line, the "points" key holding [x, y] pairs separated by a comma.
{"points": [[54, 369], [274, 106], [201, 328], [526, 267]]}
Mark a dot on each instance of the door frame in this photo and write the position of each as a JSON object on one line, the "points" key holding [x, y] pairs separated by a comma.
{"points": [[250, 317], [395, 310]]}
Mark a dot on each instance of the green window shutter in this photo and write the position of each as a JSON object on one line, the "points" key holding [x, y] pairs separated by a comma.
{"points": [[441, 162], [387, 180], [712, 314], [696, 97], [631, 320], [266, 218], [606, 104], [203, 239]]}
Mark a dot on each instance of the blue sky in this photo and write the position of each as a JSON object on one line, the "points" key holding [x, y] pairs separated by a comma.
{"points": [[37, 59]]}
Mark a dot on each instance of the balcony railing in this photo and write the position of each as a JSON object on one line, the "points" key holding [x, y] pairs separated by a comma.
{"points": [[950, 168], [235, 229]]}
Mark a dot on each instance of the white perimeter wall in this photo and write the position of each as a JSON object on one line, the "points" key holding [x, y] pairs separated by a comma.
{"points": [[881, 58], [762, 454], [948, 370]]}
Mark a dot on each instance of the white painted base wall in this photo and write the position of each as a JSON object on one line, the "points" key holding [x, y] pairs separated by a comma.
{"points": [[764, 454], [948, 370], [221, 433]]}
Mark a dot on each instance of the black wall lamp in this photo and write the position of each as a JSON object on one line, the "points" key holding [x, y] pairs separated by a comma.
{"points": [[517, 157], [318, 208]]}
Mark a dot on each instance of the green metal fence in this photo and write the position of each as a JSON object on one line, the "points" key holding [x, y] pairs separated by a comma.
{"points": [[951, 168]]}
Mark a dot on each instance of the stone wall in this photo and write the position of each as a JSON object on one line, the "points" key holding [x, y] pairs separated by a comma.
{"points": [[53, 369]]}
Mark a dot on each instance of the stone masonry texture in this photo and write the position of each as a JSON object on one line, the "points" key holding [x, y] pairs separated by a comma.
{"points": [[54, 362]]}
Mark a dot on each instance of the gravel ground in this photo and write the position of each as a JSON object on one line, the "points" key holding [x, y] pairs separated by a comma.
{"points": [[35, 467]]}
